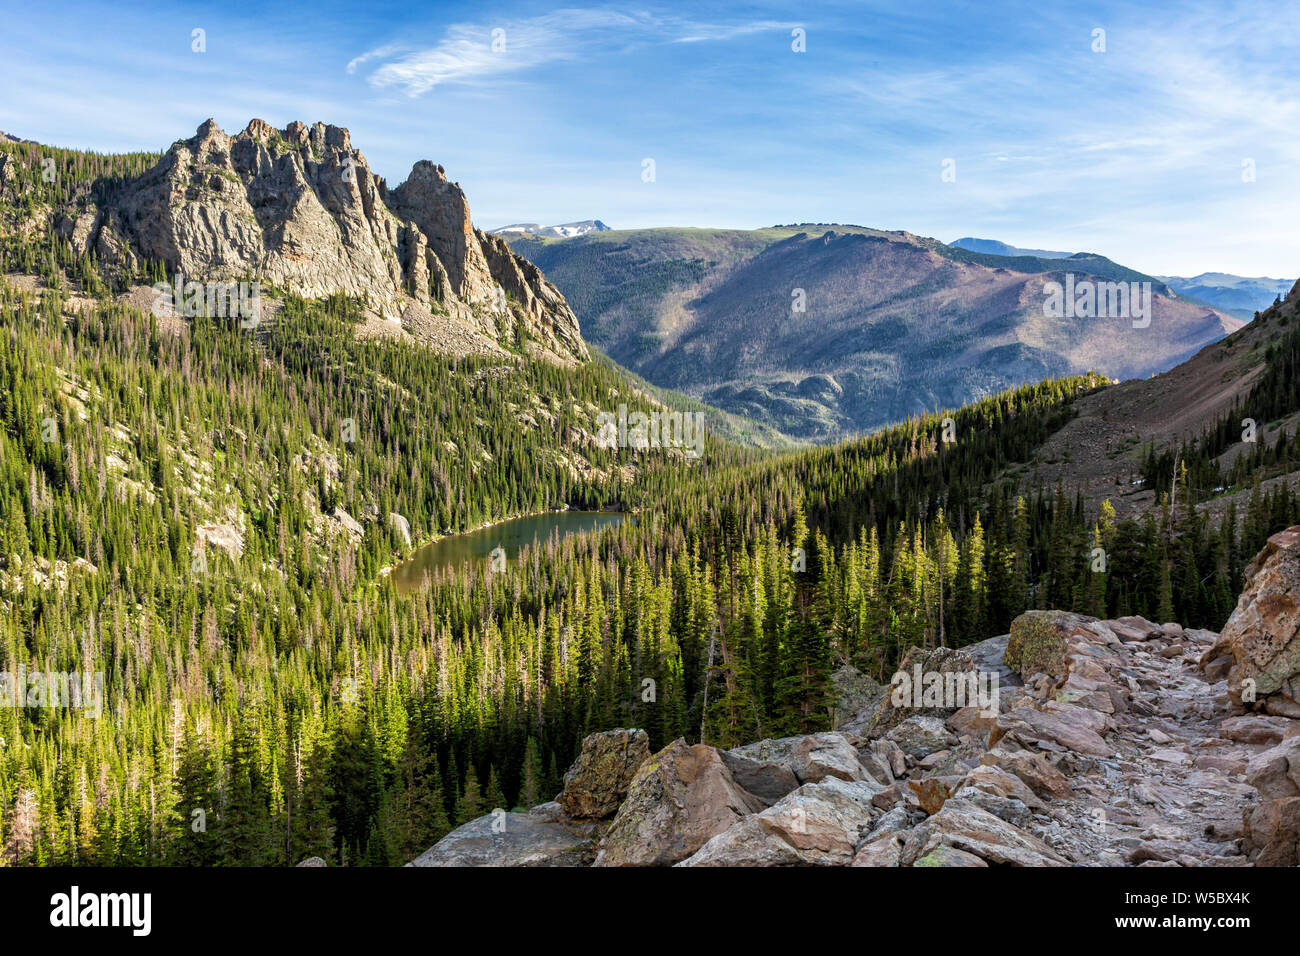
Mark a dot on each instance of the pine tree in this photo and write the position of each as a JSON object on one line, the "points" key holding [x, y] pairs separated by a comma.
{"points": [[192, 843], [313, 834], [530, 791], [471, 800], [245, 818]]}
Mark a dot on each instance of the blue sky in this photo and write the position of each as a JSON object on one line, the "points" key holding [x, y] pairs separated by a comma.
{"points": [[1136, 152]]}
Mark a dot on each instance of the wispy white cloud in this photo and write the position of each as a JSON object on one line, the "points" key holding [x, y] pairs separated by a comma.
{"points": [[470, 52], [377, 53], [704, 32]]}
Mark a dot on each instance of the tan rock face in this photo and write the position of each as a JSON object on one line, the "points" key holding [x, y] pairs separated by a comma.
{"points": [[299, 209], [818, 824], [1263, 635], [679, 799], [1273, 828], [439, 208]]}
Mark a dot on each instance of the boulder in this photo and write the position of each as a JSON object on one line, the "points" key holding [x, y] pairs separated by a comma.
{"points": [[963, 826], [1055, 726], [769, 782], [1038, 640], [598, 781], [982, 661], [884, 851], [1004, 808], [1275, 772], [1134, 628], [1039, 775], [998, 782], [947, 856], [883, 846], [883, 761], [920, 735], [1272, 833], [972, 721], [513, 839], [1263, 634], [819, 756], [930, 794], [896, 795], [810, 758], [679, 799], [1255, 729], [820, 824], [854, 693]]}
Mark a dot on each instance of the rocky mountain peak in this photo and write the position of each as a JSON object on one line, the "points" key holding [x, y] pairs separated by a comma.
{"points": [[299, 208]]}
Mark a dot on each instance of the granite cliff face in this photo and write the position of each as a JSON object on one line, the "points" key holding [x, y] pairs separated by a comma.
{"points": [[300, 209]]}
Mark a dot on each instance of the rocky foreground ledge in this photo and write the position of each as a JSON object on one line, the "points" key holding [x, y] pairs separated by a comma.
{"points": [[1107, 743]]}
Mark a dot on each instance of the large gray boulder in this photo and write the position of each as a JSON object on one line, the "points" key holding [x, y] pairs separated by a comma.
{"points": [[811, 757], [514, 839]]}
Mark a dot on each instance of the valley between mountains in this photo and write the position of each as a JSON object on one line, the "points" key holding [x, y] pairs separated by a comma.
{"points": [[202, 495]]}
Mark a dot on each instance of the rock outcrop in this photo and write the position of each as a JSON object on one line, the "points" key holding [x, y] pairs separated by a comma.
{"points": [[1259, 649], [300, 209]]}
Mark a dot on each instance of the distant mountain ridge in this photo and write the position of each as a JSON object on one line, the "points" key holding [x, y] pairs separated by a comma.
{"points": [[565, 230], [892, 324], [995, 248], [1239, 296]]}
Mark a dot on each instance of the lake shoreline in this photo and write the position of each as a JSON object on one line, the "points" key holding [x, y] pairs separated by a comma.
{"points": [[384, 573]]}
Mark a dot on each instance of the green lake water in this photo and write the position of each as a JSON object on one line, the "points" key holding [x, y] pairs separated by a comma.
{"points": [[511, 535]]}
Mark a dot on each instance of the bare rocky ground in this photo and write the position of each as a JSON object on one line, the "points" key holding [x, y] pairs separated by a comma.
{"points": [[1173, 789], [1107, 743]]}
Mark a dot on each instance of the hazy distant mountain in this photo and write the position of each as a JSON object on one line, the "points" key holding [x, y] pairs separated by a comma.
{"points": [[563, 231], [893, 324], [994, 248], [1238, 295]]}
